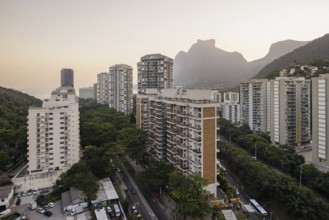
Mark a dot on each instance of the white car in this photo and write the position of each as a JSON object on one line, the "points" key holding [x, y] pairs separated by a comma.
{"points": [[35, 191], [40, 210], [134, 209], [51, 205], [108, 209], [237, 191]]}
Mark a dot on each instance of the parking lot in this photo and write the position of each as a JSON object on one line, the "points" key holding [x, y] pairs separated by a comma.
{"points": [[33, 214]]}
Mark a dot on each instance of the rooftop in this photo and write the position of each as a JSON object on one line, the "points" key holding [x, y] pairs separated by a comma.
{"points": [[5, 190]]}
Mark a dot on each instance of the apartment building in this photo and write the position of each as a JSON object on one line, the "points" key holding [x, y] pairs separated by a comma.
{"points": [[231, 97], [102, 88], [155, 71], [182, 128], [320, 120], [231, 107], [254, 104], [67, 77], [87, 93], [53, 133], [116, 88], [290, 112], [121, 88]]}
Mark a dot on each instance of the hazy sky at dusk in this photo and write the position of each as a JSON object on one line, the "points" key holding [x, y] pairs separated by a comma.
{"points": [[39, 37]]}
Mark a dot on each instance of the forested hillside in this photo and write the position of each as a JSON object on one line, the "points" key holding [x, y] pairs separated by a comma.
{"points": [[13, 123], [316, 49]]}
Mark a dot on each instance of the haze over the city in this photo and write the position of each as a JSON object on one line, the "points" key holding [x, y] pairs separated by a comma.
{"points": [[39, 37]]}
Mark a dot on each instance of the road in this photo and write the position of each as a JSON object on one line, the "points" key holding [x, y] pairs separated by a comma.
{"points": [[145, 202]]}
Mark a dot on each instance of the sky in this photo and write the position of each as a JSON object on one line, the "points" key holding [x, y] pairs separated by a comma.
{"points": [[40, 37]]}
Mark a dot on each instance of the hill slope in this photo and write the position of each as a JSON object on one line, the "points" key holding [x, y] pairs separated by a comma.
{"points": [[13, 123], [316, 49], [205, 66]]}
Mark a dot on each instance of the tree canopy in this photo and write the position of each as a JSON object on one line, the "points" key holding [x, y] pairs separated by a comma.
{"points": [[189, 194]]}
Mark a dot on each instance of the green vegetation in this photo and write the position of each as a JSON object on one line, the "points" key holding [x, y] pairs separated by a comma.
{"points": [[13, 123], [189, 194], [187, 191], [316, 49], [156, 175], [106, 136], [267, 184], [283, 158]]}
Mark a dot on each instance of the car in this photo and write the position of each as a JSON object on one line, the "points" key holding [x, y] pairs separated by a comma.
{"points": [[29, 192], [237, 191], [24, 194], [35, 191], [43, 191], [133, 190], [20, 218], [19, 195], [18, 201], [139, 216], [48, 213], [45, 207], [134, 209], [40, 210], [109, 209], [51, 205]]}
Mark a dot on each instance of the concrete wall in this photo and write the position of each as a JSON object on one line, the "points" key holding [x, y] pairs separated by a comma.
{"points": [[27, 182]]}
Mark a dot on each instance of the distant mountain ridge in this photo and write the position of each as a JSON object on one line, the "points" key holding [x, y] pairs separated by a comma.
{"points": [[205, 66], [316, 49]]}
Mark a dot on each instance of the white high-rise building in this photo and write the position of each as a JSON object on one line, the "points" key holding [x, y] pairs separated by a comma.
{"points": [[231, 107], [102, 88], [121, 88], [254, 104], [155, 71], [290, 113], [53, 133], [116, 88], [320, 120]]}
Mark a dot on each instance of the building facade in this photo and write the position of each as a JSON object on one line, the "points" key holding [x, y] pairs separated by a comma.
{"points": [[182, 127], [53, 133], [67, 77], [102, 88], [320, 120], [290, 112], [116, 88], [254, 104], [231, 107], [155, 71], [121, 88], [87, 93]]}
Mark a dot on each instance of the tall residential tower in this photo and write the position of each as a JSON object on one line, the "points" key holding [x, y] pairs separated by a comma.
{"points": [[116, 88], [320, 120], [290, 111], [183, 129], [155, 71], [67, 77], [53, 133], [254, 104]]}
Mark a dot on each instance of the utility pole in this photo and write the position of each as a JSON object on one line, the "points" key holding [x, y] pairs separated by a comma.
{"points": [[256, 150]]}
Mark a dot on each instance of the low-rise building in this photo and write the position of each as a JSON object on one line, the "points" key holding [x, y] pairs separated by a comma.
{"points": [[72, 199], [6, 193]]}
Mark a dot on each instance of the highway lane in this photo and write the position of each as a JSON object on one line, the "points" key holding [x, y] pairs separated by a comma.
{"points": [[137, 199], [143, 191]]}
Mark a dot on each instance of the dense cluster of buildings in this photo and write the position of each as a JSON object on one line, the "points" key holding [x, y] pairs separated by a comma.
{"points": [[182, 125]]}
